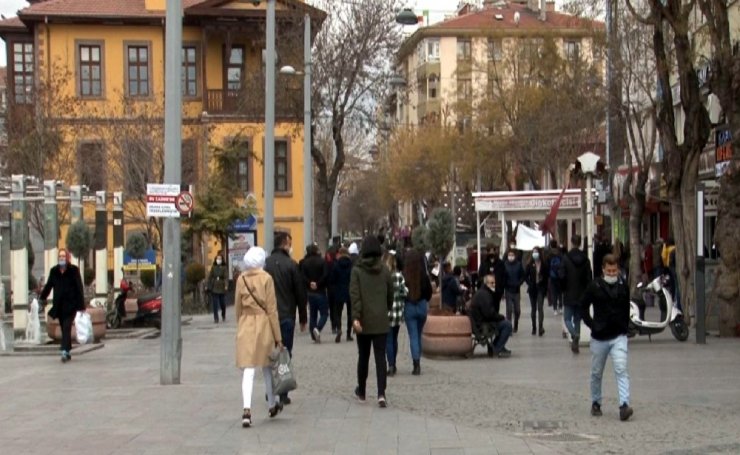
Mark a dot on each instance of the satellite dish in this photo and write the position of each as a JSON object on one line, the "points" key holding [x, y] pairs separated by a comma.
{"points": [[517, 17]]}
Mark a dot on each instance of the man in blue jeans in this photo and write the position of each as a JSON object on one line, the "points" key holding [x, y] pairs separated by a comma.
{"points": [[290, 291], [484, 308], [610, 298], [316, 275], [575, 276]]}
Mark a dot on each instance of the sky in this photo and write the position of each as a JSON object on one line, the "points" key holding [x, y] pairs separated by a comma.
{"points": [[437, 10]]}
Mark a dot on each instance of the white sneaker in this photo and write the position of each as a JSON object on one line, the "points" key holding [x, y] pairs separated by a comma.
{"points": [[316, 335]]}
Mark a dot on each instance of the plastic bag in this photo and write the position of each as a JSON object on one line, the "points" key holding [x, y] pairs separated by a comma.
{"points": [[83, 327], [283, 379]]}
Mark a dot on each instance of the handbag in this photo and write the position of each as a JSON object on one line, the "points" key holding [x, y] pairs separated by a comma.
{"points": [[283, 378], [83, 328]]}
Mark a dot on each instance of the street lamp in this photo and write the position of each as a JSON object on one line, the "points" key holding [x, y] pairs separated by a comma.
{"points": [[589, 164], [407, 17]]}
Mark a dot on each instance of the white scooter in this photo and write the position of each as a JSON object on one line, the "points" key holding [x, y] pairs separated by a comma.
{"points": [[670, 314]]}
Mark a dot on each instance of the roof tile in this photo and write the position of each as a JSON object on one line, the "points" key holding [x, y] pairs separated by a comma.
{"points": [[528, 20], [95, 8]]}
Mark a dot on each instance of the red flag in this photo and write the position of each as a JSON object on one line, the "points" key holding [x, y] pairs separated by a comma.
{"points": [[548, 226]]}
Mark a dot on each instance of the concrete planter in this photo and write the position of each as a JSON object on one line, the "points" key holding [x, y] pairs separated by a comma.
{"points": [[446, 336], [435, 303], [98, 321]]}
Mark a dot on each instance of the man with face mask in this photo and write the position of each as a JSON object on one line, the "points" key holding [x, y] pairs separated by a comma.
{"points": [[66, 282], [218, 281], [609, 296], [484, 308]]}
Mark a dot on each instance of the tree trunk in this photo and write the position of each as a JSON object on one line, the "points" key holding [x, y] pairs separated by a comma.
{"points": [[323, 211], [683, 219], [637, 209], [727, 238]]}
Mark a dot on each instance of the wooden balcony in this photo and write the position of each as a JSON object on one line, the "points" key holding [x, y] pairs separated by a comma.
{"points": [[250, 104]]}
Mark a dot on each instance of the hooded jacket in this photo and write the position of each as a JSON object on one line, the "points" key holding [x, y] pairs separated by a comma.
{"points": [[341, 273], [290, 288], [577, 270], [514, 275], [371, 293], [611, 304]]}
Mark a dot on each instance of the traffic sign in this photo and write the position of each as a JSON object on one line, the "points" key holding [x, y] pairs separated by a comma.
{"points": [[161, 200], [185, 203]]}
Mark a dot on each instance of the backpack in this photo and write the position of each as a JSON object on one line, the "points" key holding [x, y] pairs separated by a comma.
{"points": [[556, 263]]}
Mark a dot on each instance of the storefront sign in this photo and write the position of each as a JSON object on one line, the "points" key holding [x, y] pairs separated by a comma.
{"points": [[723, 150], [527, 203]]}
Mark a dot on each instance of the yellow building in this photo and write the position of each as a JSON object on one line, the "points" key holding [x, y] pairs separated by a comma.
{"points": [[95, 70]]}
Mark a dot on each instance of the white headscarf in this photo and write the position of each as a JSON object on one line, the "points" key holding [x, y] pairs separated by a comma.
{"points": [[254, 258], [353, 249]]}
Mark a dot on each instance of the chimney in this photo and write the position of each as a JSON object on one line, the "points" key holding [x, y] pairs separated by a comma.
{"points": [[543, 10]]}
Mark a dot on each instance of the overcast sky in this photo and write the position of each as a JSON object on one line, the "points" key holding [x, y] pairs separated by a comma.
{"points": [[437, 10]]}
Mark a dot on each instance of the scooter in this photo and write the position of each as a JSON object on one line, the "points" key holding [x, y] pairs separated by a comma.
{"points": [[148, 310], [670, 314]]}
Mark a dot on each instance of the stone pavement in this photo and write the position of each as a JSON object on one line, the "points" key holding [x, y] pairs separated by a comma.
{"points": [[686, 399]]}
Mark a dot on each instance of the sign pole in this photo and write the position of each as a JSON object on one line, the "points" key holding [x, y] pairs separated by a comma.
{"points": [[701, 333], [171, 347]]}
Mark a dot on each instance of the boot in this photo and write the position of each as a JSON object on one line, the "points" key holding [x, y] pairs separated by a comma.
{"points": [[574, 345], [417, 368], [349, 335], [516, 324]]}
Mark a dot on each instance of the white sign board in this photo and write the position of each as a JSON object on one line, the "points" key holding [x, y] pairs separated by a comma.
{"points": [[238, 246], [161, 200]]}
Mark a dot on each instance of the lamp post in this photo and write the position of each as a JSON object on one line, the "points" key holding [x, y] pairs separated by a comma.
{"points": [[307, 161], [590, 165], [269, 168]]}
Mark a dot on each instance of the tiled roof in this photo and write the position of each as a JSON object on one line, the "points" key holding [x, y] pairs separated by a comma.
{"points": [[11, 22], [96, 8], [528, 20]]}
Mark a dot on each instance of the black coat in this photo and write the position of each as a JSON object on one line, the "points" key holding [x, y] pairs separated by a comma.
{"points": [[485, 307], [69, 295], [537, 284], [339, 279], [290, 288], [315, 269], [514, 276], [493, 265], [577, 271], [611, 309], [451, 290]]}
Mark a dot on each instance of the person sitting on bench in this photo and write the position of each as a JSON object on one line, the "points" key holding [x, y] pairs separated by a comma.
{"points": [[485, 309]]}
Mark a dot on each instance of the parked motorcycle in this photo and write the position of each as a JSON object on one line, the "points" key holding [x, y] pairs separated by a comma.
{"points": [[148, 310], [670, 313]]}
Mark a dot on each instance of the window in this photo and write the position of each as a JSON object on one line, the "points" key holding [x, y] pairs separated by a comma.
{"points": [[464, 89], [234, 68], [189, 162], [464, 49], [189, 71], [572, 50], [242, 172], [282, 167], [495, 50], [432, 50], [432, 86], [92, 165], [90, 70], [138, 171], [137, 76], [22, 73]]}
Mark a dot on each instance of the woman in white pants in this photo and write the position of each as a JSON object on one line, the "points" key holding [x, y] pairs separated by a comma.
{"points": [[258, 330]]}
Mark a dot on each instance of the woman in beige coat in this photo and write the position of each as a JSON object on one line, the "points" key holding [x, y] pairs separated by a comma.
{"points": [[258, 330]]}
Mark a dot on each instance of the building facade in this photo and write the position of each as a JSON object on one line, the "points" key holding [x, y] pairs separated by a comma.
{"points": [[96, 71]]}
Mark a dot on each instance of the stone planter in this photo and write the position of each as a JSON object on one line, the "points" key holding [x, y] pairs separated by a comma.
{"points": [[435, 303], [446, 336], [98, 321]]}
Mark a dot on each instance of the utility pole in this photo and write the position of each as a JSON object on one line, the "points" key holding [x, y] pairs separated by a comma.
{"points": [[307, 160], [117, 240], [19, 254], [171, 347], [51, 237], [269, 168], [101, 249]]}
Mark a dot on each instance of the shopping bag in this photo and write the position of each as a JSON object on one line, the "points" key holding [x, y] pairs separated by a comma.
{"points": [[283, 379], [83, 327]]}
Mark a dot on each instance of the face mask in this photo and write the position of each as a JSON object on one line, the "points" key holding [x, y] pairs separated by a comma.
{"points": [[535, 256], [511, 258], [290, 251], [62, 263], [610, 279], [492, 288], [218, 261]]}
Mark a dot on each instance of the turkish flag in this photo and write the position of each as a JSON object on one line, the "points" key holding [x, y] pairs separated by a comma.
{"points": [[549, 225]]}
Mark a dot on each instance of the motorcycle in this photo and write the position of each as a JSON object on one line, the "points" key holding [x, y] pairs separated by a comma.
{"points": [[670, 313], [148, 310]]}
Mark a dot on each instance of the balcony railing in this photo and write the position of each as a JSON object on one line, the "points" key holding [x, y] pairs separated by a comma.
{"points": [[251, 103]]}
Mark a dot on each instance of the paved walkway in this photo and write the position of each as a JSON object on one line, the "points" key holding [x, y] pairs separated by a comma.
{"points": [[686, 399]]}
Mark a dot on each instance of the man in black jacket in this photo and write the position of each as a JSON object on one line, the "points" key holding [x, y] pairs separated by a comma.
{"points": [[69, 298], [576, 271], [484, 308], [493, 265], [315, 274], [609, 296], [290, 291]]}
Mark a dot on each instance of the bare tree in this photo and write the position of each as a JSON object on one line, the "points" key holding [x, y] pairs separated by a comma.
{"points": [[351, 68]]}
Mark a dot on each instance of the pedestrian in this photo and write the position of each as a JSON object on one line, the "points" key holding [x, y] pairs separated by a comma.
{"points": [[316, 274], [555, 287], [395, 315], [69, 298], [537, 275], [576, 277], [514, 280], [452, 290], [339, 279], [493, 265], [218, 282], [258, 329], [472, 266], [290, 291], [609, 295], [484, 308], [371, 292], [354, 252], [330, 257], [417, 303]]}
